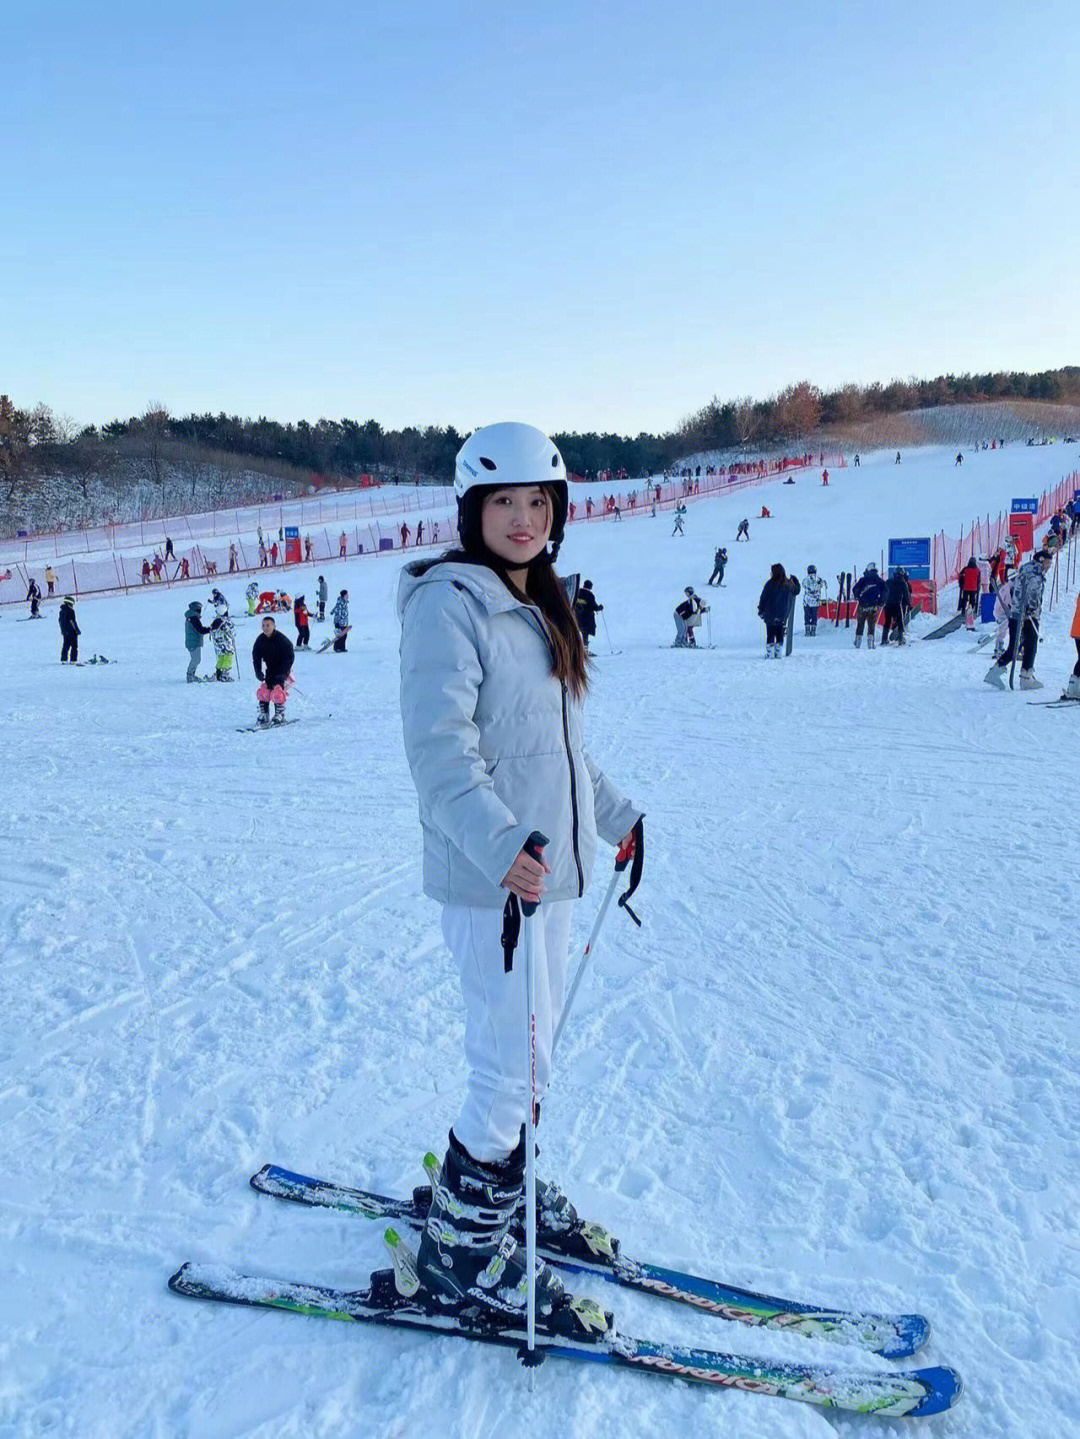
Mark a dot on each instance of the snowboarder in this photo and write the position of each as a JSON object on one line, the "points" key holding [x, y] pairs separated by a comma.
{"points": [[680, 515], [1030, 582], [493, 679], [743, 532], [774, 606], [869, 595], [224, 642], [33, 594], [814, 590], [50, 580], [586, 607], [303, 622], [69, 630], [340, 616], [194, 630], [320, 595], [272, 657], [897, 606], [251, 594], [687, 618], [719, 566]]}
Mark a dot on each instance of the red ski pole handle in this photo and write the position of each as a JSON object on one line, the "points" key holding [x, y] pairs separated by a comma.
{"points": [[534, 848]]}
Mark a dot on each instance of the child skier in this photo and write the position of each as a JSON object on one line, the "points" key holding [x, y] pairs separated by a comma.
{"points": [[493, 679], [69, 630], [813, 591], [224, 642], [303, 621], [251, 594]]}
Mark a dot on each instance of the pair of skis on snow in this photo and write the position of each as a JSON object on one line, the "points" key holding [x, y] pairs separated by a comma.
{"points": [[391, 1298]]}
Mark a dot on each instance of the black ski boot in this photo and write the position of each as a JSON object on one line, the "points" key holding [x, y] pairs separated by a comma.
{"points": [[264, 714], [469, 1256]]}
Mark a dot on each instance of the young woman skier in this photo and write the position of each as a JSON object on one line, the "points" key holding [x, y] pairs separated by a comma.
{"points": [[493, 678]]}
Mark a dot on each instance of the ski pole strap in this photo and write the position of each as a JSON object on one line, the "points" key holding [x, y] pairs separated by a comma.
{"points": [[515, 908], [634, 854]]}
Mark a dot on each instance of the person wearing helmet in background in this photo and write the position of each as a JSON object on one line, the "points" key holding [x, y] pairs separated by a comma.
{"points": [[494, 675], [194, 630], [814, 589], [687, 617], [321, 593], [869, 595]]}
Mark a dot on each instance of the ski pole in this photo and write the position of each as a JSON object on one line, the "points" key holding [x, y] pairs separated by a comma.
{"points": [[708, 621], [533, 846], [590, 947], [607, 632]]}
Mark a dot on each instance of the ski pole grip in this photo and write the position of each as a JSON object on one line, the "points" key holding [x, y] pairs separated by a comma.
{"points": [[534, 848]]}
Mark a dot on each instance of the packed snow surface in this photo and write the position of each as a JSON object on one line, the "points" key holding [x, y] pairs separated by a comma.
{"points": [[839, 1061]]}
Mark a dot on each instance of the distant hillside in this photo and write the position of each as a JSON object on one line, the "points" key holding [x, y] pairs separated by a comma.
{"points": [[1010, 420]]}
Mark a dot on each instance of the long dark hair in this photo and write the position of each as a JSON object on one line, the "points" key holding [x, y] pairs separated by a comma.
{"points": [[778, 575], [570, 662]]}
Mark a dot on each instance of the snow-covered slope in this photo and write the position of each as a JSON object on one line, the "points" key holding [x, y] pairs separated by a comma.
{"points": [[839, 1060]]}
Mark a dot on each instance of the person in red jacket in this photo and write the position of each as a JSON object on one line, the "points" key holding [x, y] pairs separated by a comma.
{"points": [[303, 620], [970, 585]]}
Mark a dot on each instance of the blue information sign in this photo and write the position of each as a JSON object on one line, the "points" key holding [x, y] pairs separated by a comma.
{"points": [[1025, 507], [914, 555], [292, 532], [1076, 497]]}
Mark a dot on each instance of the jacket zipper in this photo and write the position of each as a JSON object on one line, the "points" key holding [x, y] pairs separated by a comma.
{"points": [[573, 792]]}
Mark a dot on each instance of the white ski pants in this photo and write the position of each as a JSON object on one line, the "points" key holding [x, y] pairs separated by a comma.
{"points": [[496, 1040]]}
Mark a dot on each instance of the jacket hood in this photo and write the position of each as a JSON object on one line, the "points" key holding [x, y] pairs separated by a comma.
{"points": [[484, 584]]}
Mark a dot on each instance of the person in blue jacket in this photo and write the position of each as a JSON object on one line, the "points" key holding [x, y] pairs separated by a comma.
{"points": [[869, 594]]}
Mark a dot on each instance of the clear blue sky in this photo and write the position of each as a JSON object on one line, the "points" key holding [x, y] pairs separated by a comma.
{"points": [[584, 215]]}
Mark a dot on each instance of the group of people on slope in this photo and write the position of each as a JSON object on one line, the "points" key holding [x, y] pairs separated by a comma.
{"points": [[222, 634], [890, 598], [1018, 603]]}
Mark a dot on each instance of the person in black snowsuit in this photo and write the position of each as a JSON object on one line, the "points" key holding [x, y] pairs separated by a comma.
{"points": [[585, 612], [33, 594], [272, 656], [774, 607], [69, 629], [719, 565], [869, 594], [897, 605]]}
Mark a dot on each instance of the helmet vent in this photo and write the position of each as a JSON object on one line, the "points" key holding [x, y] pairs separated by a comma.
{"points": [[554, 462], [487, 464]]}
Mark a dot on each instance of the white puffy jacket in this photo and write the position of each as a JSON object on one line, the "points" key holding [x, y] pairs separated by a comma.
{"points": [[814, 588], [494, 741]]}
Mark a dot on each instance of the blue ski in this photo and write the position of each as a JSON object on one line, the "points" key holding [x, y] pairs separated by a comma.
{"points": [[913, 1393], [896, 1336]]}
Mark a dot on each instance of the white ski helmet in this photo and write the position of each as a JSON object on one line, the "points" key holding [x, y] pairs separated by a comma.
{"points": [[509, 454]]}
